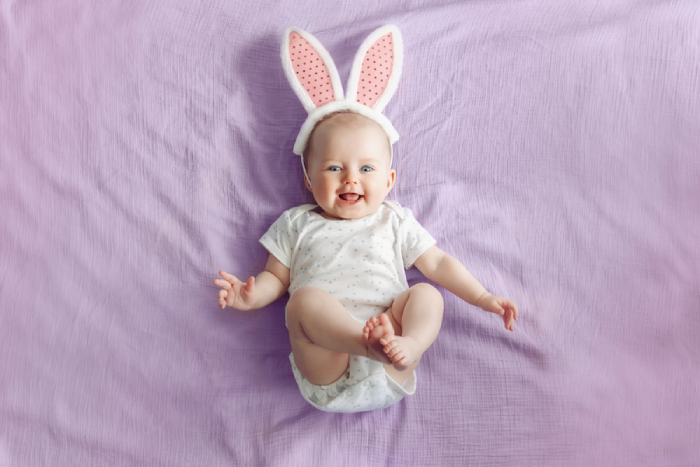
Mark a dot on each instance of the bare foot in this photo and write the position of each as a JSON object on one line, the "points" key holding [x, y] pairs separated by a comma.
{"points": [[374, 331], [403, 351], [388, 348]]}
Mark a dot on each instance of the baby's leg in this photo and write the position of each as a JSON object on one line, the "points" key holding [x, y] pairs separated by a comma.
{"points": [[322, 334], [410, 327]]}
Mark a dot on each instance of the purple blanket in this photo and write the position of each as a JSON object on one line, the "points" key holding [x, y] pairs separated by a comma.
{"points": [[552, 147]]}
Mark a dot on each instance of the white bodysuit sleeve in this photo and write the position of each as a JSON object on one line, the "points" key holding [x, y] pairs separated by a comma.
{"points": [[415, 240], [280, 239]]}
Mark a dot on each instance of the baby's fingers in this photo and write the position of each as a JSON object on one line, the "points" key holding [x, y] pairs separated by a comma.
{"points": [[498, 309], [248, 290], [512, 307], [509, 319], [512, 311], [250, 285], [223, 284], [229, 277], [222, 298]]}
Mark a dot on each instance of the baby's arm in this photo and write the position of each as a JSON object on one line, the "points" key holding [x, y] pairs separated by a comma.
{"points": [[258, 291], [446, 271]]}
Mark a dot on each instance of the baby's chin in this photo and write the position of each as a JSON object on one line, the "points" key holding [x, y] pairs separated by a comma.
{"points": [[346, 214]]}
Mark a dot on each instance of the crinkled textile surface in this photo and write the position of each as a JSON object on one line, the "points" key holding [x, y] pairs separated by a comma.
{"points": [[552, 146]]}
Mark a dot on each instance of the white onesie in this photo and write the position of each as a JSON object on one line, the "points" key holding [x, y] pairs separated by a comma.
{"points": [[361, 263]]}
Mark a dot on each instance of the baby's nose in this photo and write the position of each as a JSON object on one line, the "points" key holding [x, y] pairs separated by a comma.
{"points": [[350, 178]]}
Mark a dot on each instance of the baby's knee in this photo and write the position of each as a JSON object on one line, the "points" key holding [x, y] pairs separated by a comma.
{"points": [[427, 291], [300, 296], [299, 301]]}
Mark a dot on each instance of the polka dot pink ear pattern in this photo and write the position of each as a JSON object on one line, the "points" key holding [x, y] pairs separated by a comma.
{"points": [[310, 70], [376, 69]]}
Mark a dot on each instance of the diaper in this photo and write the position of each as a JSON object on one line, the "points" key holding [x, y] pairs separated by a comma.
{"points": [[364, 386]]}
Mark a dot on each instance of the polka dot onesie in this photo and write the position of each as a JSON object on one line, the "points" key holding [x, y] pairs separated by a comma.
{"points": [[361, 263]]}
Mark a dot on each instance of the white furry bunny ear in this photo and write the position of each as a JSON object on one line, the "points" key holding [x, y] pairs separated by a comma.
{"points": [[376, 69], [314, 78], [310, 69]]}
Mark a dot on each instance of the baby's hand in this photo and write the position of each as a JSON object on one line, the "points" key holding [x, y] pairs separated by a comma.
{"points": [[234, 293], [500, 306]]}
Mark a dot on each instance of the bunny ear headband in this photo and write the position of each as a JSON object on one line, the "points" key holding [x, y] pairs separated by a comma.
{"points": [[373, 80]]}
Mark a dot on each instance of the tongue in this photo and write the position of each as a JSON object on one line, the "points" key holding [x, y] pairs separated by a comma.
{"points": [[350, 196]]}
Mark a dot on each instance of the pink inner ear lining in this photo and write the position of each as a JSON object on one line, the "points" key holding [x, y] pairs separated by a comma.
{"points": [[316, 83], [374, 73]]}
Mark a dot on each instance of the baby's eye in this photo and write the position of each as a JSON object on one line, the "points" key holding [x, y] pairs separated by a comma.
{"points": [[366, 168], [334, 168]]}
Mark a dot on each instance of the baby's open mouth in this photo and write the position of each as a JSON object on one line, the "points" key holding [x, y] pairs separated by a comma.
{"points": [[350, 197]]}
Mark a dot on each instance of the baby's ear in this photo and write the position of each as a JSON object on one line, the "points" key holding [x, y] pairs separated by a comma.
{"points": [[391, 180], [376, 69], [310, 69], [306, 182]]}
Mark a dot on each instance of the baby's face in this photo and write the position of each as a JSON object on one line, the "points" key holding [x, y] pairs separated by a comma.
{"points": [[348, 164]]}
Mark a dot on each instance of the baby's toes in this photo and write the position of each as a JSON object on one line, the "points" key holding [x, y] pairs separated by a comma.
{"points": [[394, 353], [388, 339], [400, 359], [383, 319], [369, 327], [397, 357], [390, 347]]}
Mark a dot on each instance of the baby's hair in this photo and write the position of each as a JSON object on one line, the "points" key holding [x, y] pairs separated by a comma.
{"points": [[305, 154]]}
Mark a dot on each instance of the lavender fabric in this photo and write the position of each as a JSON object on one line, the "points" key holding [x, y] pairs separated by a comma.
{"points": [[550, 146]]}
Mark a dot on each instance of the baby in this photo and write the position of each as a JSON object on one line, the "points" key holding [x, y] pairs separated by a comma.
{"points": [[357, 331]]}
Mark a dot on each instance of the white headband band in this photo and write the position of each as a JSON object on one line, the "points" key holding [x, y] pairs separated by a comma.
{"points": [[374, 77]]}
